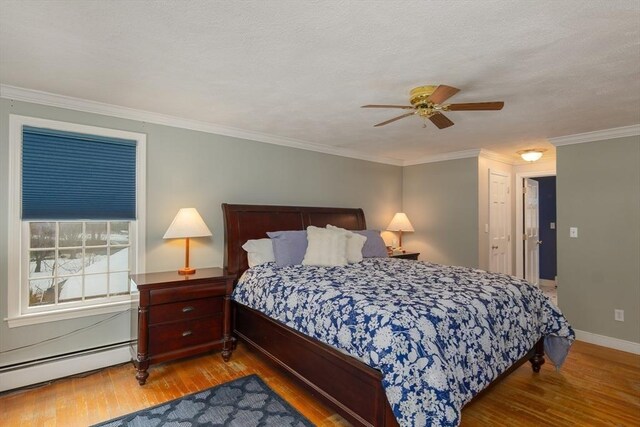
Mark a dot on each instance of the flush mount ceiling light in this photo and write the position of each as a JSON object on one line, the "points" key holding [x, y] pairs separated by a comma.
{"points": [[532, 154]]}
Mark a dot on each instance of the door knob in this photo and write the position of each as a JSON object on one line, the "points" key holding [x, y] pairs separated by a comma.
{"points": [[539, 242], [494, 247]]}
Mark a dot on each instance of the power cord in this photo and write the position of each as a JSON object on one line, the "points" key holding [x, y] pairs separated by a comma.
{"points": [[129, 310]]}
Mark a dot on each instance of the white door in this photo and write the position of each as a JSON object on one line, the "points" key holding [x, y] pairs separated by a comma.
{"points": [[499, 222], [531, 235]]}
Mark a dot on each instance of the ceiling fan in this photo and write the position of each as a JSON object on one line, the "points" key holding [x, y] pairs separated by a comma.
{"points": [[426, 102]]}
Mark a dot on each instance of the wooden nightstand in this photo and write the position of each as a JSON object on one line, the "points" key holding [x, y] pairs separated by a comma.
{"points": [[180, 316], [407, 255]]}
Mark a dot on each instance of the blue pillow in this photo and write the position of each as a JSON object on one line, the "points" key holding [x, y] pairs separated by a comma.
{"points": [[374, 247], [289, 247]]}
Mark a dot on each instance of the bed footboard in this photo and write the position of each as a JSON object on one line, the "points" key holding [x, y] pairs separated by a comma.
{"points": [[348, 386]]}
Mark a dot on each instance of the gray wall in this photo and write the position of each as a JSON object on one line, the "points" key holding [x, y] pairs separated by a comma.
{"points": [[195, 169], [441, 201], [598, 189]]}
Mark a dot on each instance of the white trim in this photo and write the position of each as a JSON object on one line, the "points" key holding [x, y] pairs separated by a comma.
{"points": [[483, 152], [599, 135], [610, 342], [140, 223], [517, 193], [443, 157], [48, 371], [78, 104], [14, 229], [492, 155], [16, 312]]}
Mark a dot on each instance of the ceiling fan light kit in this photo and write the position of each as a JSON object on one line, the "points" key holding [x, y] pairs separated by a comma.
{"points": [[531, 154], [427, 102]]}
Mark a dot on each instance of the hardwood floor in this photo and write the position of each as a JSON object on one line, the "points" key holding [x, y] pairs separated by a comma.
{"points": [[597, 386]]}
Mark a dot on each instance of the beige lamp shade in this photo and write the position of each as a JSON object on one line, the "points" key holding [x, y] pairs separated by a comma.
{"points": [[187, 223], [400, 222]]}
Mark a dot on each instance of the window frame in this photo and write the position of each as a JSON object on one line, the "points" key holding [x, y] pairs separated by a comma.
{"points": [[19, 313]]}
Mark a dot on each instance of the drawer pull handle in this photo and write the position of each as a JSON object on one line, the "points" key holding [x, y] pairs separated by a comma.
{"points": [[186, 333], [187, 309]]}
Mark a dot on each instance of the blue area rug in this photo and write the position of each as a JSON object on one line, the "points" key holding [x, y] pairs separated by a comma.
{"points": [[245, 402]]}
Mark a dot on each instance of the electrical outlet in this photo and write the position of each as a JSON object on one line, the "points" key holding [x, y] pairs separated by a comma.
{"points": [[618, 315]]}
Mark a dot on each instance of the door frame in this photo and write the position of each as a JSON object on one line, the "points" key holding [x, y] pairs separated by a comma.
{"points": [[520, 213]]}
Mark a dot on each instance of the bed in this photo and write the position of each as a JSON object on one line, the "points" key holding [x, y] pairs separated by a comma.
{"points": [[351, 387]]}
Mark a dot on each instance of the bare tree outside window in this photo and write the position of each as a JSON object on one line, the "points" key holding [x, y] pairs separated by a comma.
{"points": [[75, 260]]}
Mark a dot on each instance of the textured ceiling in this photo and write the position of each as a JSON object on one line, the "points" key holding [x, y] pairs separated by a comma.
{"points": [[302, 69]]}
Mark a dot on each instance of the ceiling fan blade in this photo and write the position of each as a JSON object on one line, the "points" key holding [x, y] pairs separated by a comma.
{"points": [[442, 93], [405, 107], [441, 121], [476, 106], [394, 119]]}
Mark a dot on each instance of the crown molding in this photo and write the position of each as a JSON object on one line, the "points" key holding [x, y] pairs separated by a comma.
{"points": [[492, 155], [599, 135], [88, 106], [443, 157], [487, 154]]}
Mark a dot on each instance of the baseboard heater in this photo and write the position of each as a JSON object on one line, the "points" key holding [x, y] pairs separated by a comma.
{"points": [[42, 370]]}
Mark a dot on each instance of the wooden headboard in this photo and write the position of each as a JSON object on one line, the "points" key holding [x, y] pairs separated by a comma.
{"points": [[245, 222]]}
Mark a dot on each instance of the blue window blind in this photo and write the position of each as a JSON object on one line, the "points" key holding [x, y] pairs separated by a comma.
{"points": [[68, 175]]}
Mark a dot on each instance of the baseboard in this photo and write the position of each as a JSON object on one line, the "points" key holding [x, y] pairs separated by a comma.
{"points": [[615, 343], [54, 369]]}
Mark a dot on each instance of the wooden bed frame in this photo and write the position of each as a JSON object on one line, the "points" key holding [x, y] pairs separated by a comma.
{"points": [[349, 386]]}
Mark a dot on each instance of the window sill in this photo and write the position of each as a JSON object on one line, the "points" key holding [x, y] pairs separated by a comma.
{"points": [[72, 313]]}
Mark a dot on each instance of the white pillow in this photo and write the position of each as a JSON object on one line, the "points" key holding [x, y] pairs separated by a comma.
{"points": [[325, 247], [355, 242], [259, 251]]}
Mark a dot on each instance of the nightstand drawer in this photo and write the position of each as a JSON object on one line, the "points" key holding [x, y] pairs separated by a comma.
{"points": [[185, 310], [407, 255], [183, 293], [179, 335]]}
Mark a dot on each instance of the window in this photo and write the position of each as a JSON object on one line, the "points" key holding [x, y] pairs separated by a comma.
{"points": [[77, 262], [77, 219]]}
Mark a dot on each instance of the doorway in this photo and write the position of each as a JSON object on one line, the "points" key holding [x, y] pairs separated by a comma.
{"points": [[536, 227]]}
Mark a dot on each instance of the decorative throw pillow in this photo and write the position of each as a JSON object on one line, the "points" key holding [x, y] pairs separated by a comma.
{"points": [[289, 247], [259, 251], [374, 247], [326, 247], [355, 242]]}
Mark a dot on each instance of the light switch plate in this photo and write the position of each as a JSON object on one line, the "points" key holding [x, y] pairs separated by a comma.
{"points": [[573, 232], [552, 226]]}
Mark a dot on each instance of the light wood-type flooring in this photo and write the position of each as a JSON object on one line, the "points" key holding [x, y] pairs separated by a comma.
{"points": [[597, 386]]}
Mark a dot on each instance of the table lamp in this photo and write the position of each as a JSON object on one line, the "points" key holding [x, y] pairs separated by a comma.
{"points": [[187, 224], [400, 223]]}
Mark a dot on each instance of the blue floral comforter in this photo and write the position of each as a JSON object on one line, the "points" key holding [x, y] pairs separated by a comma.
{"points": [[439, 334]]}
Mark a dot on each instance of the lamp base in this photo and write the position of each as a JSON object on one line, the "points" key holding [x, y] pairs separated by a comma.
{"points": [[186, 271]]}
